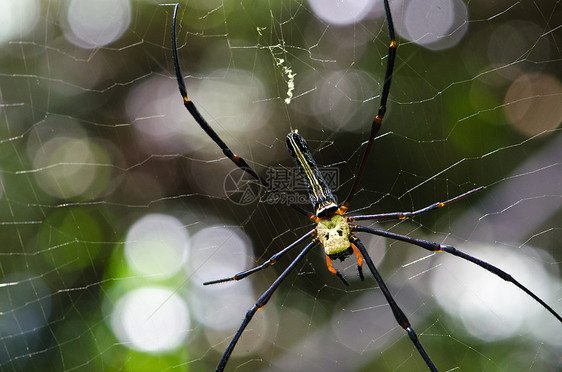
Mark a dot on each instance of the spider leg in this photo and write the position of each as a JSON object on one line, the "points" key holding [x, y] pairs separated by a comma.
{"points": [[435, 247], [190, 106], [359, 261], [335, 271], [261, 303], [398, 313], [273, 259], [377, 122], [403, 215]]}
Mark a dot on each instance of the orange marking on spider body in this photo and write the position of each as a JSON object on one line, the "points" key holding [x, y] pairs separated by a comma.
{"points": [[378, 120], [330, 267], [359, 257], [393, 45]]}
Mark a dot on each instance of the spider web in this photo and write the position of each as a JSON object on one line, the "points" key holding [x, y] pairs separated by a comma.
{"points": [[115, 206]]}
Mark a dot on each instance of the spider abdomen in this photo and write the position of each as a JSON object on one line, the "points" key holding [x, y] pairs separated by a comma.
{"points": [[319, 192]]}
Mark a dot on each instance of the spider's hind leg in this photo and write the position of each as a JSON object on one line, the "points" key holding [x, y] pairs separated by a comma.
{"points": [[399, 315]]}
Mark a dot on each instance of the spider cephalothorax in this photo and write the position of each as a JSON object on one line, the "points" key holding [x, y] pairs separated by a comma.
{"points": [[333, 233]]}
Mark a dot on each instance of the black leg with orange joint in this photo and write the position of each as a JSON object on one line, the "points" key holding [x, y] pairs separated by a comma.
{"points": [[359, 261]]}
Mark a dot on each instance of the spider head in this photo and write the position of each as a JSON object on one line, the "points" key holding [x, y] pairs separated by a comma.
{"points": [[333, 233]]}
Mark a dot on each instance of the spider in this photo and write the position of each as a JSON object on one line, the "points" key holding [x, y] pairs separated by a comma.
{"points": [[335, 231]]}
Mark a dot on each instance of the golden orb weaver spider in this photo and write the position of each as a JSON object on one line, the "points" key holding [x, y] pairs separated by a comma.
{"points": [[334, 230]]}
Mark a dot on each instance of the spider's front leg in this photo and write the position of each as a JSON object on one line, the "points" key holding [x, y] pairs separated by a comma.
{"points": [[403, 215], [272, 260]]}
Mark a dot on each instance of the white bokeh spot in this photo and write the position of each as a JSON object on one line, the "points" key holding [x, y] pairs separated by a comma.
{"points": [[95, 23], [151, 319], [157, 245]]}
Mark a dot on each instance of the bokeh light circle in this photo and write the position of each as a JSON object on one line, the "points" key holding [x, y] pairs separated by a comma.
{"points": [[533, 103], [435, 25], [151, 319], [95, 23], [17, 18], [217, 251], [485, 303], [513, 42], [157, 245], [339, 12], [71, 167]]}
